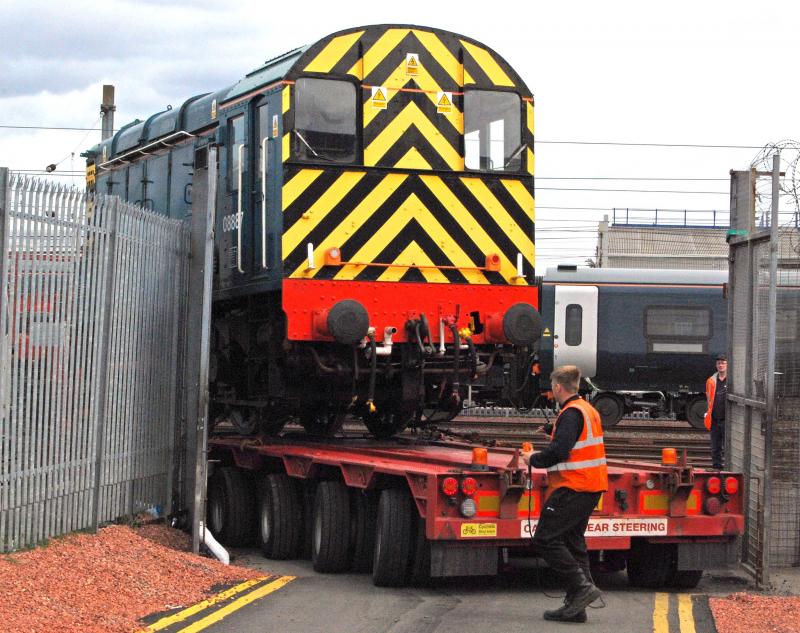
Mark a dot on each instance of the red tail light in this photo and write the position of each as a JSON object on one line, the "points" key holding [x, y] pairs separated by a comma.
{"points": [[450, 486], [714, 485], [731, 485], [469, 486]]}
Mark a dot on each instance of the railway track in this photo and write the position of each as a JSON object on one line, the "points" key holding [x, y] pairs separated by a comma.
{"points": [[630, 439]]}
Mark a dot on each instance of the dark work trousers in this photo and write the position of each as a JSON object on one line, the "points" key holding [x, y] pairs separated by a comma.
{"points": [[559, 537], [717, 442]]}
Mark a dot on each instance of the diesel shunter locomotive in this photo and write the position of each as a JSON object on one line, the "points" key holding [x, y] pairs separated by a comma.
{"points": [[375, 226]]}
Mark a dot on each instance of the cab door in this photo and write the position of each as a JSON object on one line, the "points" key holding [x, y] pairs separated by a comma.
{"points": [[266, 126], [575, 328]]}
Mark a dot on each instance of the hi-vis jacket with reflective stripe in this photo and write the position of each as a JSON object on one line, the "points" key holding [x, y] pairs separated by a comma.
{"points": [[585, 469]]}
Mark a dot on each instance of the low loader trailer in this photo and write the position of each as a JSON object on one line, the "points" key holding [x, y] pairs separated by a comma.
{"points": [[411, 510]]}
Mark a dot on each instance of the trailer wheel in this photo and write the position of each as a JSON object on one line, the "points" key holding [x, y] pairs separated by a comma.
{"points": [[363, 516], [309, 496], [230, 512], [650, 565], [393, 538], [331, 539], [696, 411], [420, 575], [685, 578], [280, 516], [610, 408]]}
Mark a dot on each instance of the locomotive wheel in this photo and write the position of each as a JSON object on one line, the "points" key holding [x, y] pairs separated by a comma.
{"points": [[650, 565], [230, 512], [696, 410], [394, 538], [387, 421], [363, 515], [331, 538], [321, 422], [280, 516], [610, 408]]}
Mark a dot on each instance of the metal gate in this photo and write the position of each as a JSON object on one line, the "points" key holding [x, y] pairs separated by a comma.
{"points": [[763, 422], [92, 308]]}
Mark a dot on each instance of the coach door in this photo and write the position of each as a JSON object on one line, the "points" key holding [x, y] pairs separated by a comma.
{"points": [[575, 328]]}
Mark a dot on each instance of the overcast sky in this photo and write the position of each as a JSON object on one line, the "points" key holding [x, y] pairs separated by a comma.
{"points": [[700, 72]]}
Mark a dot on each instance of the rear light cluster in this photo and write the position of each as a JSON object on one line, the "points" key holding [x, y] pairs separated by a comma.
{"points": [[716, 487], [468, 487]]}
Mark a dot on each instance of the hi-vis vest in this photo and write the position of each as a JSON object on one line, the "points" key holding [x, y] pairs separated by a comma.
{"points": [[585, 469], [711, 392]]}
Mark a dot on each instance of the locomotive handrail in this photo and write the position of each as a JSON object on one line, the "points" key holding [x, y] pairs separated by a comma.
{"points": [[264, 202], [239, 212], [164, 142]]}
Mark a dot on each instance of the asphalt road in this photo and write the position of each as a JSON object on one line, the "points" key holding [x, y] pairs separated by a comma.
{"points": [[513, 602]]}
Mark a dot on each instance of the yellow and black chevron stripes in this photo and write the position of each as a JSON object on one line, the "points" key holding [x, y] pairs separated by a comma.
{"points": [[286, 104], [406, 227], [370, 54], [411, 124], [528, 135]]}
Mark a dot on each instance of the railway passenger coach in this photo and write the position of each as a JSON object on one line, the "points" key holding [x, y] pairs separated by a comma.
{"points": [[375, 225], [644, 339]]}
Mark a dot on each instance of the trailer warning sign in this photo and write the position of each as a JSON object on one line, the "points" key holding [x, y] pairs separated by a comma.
{"points": [[613, 527]]}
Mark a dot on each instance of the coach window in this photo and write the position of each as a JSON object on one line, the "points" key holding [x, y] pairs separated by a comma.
{"points": [[235, 141], [324, 120], [492, 131], [678, 329], [573, 325]]}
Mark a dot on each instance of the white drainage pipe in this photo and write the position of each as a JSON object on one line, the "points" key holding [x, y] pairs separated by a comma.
{"points": [[213, 545]]}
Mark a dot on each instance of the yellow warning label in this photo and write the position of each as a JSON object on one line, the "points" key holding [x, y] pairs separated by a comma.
{"points": [[379, 97], [214, 109], [444, 102], [469, 530], [274, 126], [91, 172], [546, 332], [412, 64]]}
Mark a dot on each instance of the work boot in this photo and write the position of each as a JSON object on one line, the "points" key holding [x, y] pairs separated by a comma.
{"points": [[579, 598], [557, 615]]}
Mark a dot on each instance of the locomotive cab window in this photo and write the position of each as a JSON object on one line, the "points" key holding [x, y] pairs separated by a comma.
{"points": [[324, 120], [492, 131], [678, 329]]}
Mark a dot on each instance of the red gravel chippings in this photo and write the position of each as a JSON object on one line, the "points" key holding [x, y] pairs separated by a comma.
{"points": [[748, 613], [106, 582]]}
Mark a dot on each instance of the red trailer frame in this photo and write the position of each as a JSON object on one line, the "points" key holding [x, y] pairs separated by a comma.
{"points": [[667, 522]]}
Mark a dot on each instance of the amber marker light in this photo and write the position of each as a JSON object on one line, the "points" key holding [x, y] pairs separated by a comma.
{"points": [[669, 456], [480, 458], [527, 447]]}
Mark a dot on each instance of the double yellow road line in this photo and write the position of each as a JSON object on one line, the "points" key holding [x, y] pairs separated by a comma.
{"points": [[203, 614], [681, 613]]}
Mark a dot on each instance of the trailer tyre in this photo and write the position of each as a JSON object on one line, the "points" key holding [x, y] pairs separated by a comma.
{"points": [[610, 407], [364, 514], [420, 575], [394, 538], [696, 411], [230, 512], [650, 565], [330, 547], [280, 516]]}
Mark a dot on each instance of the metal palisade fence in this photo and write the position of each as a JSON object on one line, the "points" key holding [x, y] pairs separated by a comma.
{"points": [[92, 309], [763, 421]]}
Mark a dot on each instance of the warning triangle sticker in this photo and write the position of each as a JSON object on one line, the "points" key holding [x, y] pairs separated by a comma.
{"points": [[379, 96], [546, 332], [444, 101]]}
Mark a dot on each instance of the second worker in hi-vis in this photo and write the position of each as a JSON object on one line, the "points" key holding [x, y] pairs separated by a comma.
{"points": [[577, 476]]}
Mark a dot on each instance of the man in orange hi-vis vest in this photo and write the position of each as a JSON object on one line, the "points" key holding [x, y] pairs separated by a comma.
{"points": [[577, 476]]}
